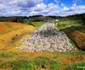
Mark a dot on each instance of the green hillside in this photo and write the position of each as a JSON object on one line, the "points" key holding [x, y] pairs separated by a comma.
{"points": [[74, 27]]}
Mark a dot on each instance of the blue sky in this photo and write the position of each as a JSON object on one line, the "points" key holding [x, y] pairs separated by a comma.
{"points": [[41, 7]]}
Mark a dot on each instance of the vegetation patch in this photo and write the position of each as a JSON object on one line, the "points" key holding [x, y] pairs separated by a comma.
{"points": [[34, 64], [44, 62], [79, 38], [8, 25], [17, 65], [65, 23], [9, 31], [37, 24], [76, 66], [24, 61], [74, 27], [7, 54]]}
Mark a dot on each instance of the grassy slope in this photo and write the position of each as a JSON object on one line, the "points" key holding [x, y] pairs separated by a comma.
{"points": [[67, 23], [75, 30], [37, 24], [13, 34], [15, 60], [9, 37], [74, 27], [39, 61]]}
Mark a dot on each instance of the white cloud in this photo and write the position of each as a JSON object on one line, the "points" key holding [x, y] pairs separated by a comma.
{"points": [[45, 9], [65, 9], [39, 7], [2, 6], [74, 4], [77, 1], [73, 10], [62, 4], [50, 9], [16, 7], [57, 1], [34, 7]]}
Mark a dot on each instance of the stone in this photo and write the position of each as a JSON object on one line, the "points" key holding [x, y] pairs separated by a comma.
{"points": [[47, 39]]}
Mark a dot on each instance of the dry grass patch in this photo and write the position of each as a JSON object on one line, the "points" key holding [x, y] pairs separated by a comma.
{"points": [[9, 39], [78, 37]]}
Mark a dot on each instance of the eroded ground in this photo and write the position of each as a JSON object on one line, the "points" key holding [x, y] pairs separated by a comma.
{"points": [[11, 58], [10, 36]]}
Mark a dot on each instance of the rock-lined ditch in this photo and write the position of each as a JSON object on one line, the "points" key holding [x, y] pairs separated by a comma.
{"points": [[47, 39]]}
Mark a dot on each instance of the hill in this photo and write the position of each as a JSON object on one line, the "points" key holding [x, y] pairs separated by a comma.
{"points": [[23, 19], [11, 33], [74, 27]]}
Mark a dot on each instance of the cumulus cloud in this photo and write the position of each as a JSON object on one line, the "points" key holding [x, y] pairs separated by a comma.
{"points": [[77, 1], [44, 9], [16, 7], [26, 8], [35, 7], [62, 4], [57, 1], [73, 10], [25, 3]]}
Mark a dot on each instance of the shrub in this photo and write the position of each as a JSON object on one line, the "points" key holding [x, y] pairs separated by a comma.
{"points": [[26, 21]]}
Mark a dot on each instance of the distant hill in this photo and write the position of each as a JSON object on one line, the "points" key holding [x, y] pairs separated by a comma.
{"points": [[78, 17], [34, 18], [71, 21]]}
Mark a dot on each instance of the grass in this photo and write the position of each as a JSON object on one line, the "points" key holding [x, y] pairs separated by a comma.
{"points": [[8, 25], [76, 66], [73, 43], [17, 65], [44, 62], [16, 61], [67, 22], [38, 61], [70, 54], [78, 37], [75, 30], [33, 64], [37, 24], [7, 54], [9, 39], [9, 31]]}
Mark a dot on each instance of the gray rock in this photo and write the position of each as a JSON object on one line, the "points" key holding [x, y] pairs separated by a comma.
{"points": [[47, 38]]}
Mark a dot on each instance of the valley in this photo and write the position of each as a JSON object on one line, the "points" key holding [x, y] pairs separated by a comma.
{"points": [[65, 33]]}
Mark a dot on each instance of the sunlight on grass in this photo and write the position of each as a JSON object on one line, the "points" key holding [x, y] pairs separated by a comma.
{"points": [[37, 24], [76, 66], [65, 23], [37, 63]]}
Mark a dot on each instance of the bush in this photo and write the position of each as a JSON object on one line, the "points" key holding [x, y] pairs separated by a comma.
{"points": [[26, 21]]}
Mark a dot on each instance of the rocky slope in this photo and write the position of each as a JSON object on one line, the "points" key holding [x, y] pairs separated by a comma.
{"points": [[47, 39]]}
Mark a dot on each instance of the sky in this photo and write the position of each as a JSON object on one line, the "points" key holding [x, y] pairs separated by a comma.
{"points": [[41, 7]]}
